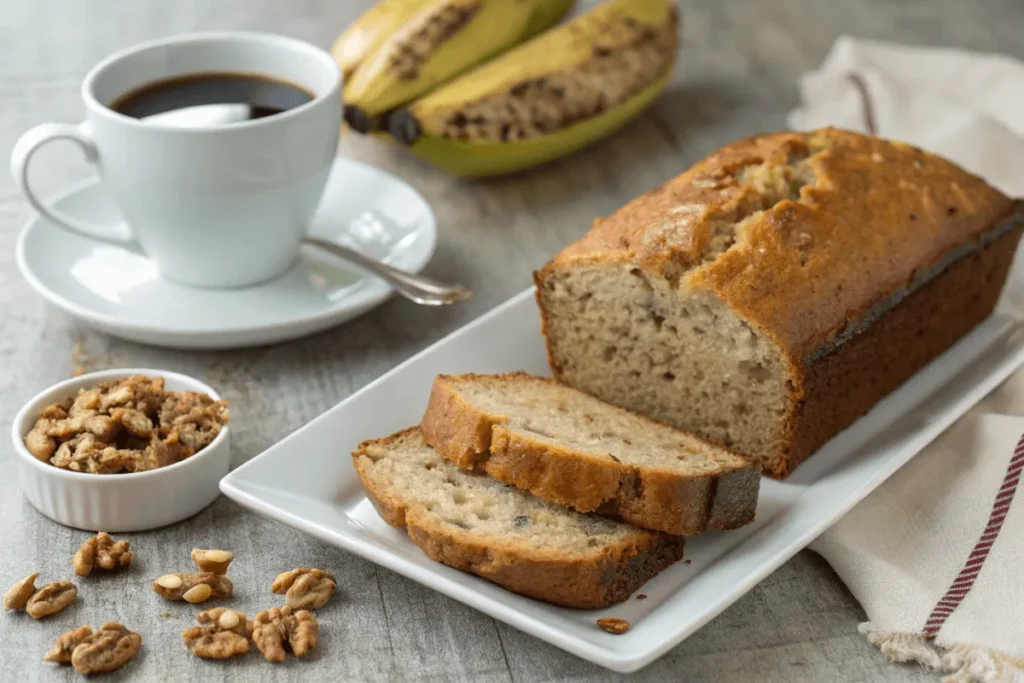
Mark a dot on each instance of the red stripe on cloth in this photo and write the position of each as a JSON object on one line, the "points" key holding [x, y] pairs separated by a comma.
{"points": [[964, 581]]}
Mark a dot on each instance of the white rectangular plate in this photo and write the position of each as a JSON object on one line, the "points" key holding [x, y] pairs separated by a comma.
{"points": [[307, 481]]}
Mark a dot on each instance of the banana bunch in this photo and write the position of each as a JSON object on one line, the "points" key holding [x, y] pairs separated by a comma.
{"points": [[549, 96], [401, 49]]}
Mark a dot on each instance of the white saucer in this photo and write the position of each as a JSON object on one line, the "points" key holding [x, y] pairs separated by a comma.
{"points": [[120, 292]]}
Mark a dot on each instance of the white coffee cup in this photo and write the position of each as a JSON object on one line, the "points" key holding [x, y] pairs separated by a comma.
{"points": [[215, 205]]}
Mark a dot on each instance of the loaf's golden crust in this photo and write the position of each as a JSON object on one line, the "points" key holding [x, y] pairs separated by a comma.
{"points": [[877, 213], [604, 577], [845, 384], [652, 498], [454, 429]]}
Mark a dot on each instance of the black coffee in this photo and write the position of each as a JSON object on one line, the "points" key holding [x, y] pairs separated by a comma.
{"points": [[211, 99]]}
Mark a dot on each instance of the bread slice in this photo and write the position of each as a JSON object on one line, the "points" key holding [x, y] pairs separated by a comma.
{"points": [[568, 447], [476, 524]]}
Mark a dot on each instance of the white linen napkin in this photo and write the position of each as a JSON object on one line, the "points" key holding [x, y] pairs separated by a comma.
{"points": [[936, 554]]}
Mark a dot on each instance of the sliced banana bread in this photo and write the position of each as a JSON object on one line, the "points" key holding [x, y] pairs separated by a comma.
{"points": [[773, 293], [570, 448], [476, 524]]}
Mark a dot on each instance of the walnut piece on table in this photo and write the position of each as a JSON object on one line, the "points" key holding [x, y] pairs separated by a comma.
{"points": [[129, 425], [51, 598], [101, 552], [215, 561], [224, 633], [305, 588], [278, 630], [108, 649], [66, 644], [194, 588], [18, 595]]}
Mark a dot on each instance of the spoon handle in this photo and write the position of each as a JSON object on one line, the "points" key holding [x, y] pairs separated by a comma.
{"points": [[419, 288]]}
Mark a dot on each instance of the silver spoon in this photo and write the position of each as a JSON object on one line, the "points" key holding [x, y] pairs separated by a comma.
{"points": [[419, 288]]}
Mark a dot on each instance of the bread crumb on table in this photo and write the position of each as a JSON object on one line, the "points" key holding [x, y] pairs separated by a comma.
{"points": [[81, 363]]}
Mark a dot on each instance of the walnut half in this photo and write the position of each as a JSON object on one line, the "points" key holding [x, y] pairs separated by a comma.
{"points": [[66, 644], [101, 552], [613, 625], [51, 598], [224, 633], [17, 597], [278, 628], [108, 649], [305, 588], [215, 561], [197, 587]]}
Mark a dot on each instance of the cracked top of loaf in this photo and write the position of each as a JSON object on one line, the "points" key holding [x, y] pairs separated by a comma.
{"points": [[802, 234]]}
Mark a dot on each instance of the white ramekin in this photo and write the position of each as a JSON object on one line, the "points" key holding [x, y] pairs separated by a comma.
{"points": [[120, 502]]}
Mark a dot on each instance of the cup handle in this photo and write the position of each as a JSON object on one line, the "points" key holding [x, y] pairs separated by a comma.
{"points": [[21, 155]]}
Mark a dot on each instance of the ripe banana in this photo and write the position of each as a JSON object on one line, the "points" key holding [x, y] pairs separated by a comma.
{"points": [[372, 28], [549, 97], [435, 42]]}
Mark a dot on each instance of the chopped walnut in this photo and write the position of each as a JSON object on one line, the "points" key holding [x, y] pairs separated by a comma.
{"points": [[613, 625], [51, 598], [41, 446], [144, 394], [17, 597], [57, 411], [130, 425], [215, 561], [192, 419], [278, 629], [86, 453], [183, 586], [108, 649], [135, 422], [305, 588], [66, 644], [101, 552], [224, 634], [227, 620]]}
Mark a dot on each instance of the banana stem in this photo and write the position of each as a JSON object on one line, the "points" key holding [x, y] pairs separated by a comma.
{"points": [[360, 121], [404, 127]]}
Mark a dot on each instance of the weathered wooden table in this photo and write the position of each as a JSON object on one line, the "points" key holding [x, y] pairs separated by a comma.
{"points": [[737, 75]]}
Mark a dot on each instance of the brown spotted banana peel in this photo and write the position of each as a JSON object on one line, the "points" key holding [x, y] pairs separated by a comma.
{"points": [[564, 89], [401, 49]]}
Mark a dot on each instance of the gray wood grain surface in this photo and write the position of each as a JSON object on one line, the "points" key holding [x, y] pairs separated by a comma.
{"points": [[737, 76]]}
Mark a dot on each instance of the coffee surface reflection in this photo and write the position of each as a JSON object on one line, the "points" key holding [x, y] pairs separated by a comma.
{"points": [[211, 99]]}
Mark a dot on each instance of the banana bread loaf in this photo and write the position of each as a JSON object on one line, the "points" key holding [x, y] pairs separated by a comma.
{"points": [[773, 293]]}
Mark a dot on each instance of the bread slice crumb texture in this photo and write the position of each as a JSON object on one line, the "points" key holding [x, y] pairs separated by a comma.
{"points": [[478, 504], [562, 416], [477, 524], [570, 448]]}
